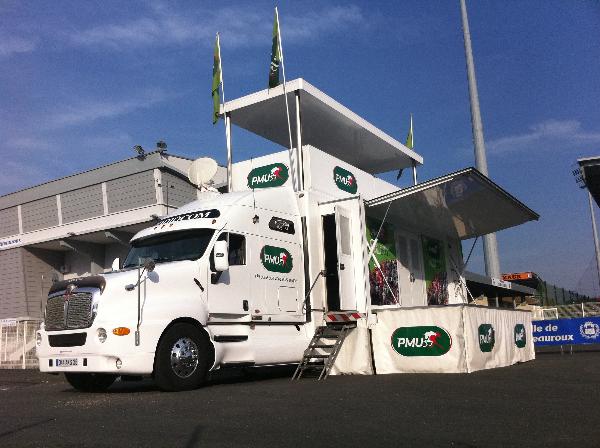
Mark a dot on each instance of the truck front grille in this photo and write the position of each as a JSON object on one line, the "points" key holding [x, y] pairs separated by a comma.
{"points": [[69, 312]]}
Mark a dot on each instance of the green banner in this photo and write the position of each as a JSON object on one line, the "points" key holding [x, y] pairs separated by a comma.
{"points": [[421, 341], [274, 175], [345, 180], [384, 281], [276, 259], [275, 55], [436, 277]]}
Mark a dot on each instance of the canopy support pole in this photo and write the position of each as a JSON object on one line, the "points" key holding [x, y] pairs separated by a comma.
{"points": [[414, 172], [228, 138], [299, 153]]}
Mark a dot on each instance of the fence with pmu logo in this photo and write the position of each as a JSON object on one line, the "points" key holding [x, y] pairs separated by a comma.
{"points": [[450, 339], [17, 343]]}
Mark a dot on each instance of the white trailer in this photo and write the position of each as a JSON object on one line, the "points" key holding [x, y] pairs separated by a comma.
{"points": [[246, 278]]}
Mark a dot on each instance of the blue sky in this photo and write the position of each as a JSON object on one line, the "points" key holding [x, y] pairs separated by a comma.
{"points": [[83, 82]]}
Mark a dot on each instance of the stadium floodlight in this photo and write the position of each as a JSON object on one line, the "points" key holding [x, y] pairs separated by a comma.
{"points": [[161, 146], [140, 151]]}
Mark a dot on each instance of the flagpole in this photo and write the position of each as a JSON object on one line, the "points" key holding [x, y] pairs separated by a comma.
{"points": [[295, 171], [227, 120]]}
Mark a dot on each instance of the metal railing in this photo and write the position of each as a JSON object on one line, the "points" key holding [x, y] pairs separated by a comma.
{"points": [[17, 343], [566, 311]]}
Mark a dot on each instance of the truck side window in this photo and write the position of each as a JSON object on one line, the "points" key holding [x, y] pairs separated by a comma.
{"points": [[237, 248]]}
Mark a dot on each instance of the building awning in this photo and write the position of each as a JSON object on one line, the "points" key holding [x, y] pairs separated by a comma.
{"points": [[326, 125], [465, 204], [491, 287]]}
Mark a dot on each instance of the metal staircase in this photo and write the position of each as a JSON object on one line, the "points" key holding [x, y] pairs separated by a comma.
{"points": [[323, 349]]}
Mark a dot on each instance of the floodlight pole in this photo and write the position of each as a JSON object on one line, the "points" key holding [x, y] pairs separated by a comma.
{"points": [[595, 230], [490, 245]]}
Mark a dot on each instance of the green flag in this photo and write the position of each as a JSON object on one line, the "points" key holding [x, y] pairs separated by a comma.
{"points": [[216, 80], [409, 138], [275, 55]]}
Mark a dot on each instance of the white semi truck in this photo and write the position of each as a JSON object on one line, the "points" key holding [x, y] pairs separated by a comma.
{"points": [[245, 278]]}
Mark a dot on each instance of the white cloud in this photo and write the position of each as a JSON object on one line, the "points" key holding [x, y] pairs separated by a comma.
{"points": [[12, 45], [544, 133], [17, 175], [239, 27], [28, 143], [86, 112]]}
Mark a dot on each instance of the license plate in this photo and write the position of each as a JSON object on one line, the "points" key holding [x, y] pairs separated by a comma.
{"points": [[66, 362]]}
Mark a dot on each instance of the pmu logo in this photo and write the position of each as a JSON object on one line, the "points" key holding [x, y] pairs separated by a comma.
{"points": [[421, 341], [487, 337], [276, 259], [345, 180], [520, 337], [274, 175]]}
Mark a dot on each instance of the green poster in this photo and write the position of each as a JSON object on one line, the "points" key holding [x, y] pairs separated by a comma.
{"points": [[383, 279], [436, 278]]}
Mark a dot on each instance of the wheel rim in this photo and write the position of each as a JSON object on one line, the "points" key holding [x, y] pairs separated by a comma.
{"points": [[184, 357]]}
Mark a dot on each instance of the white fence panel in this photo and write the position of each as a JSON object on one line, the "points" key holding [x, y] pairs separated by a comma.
{"points": [[17, 344]]}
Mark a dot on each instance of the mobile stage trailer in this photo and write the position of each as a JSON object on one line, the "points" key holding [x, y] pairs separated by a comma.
{"points": [[306, 250]]}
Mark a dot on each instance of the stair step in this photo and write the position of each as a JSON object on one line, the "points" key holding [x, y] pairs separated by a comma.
{"points": [[314, 367], [322, 346], [316, 356]]}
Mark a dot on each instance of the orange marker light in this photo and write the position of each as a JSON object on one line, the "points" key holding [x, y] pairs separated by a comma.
{"points": [[121, 331]]}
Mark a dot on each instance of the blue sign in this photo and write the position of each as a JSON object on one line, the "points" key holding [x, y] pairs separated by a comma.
{"points": [[585, 330]]}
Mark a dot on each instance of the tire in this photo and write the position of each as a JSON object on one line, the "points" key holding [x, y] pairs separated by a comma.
{"points": [[182, 359], [90, 382]]}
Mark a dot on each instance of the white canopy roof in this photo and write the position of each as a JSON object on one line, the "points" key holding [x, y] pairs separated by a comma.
{"points": [[464, 204], [326, 125]]}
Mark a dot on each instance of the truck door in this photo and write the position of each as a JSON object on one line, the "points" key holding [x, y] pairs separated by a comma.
{"points": [[410, 269], [345, 253], [229, 292]]}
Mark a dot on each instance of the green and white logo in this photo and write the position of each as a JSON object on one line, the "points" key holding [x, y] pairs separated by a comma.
{"points": [[520, 337], [345, 180], [421, 341], [487, 337], [274, 175], [276, 259]]}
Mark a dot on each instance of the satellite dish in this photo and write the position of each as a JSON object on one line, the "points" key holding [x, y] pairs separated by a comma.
{"points": [[202, 171]]}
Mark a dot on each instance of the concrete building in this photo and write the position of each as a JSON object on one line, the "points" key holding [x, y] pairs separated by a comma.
{"points": [[79, 224]]}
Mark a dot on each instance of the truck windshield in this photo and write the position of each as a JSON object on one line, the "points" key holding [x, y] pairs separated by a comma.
{"points": [[172, 246]]}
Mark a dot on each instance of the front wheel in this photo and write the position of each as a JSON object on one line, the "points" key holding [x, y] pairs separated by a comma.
{"points": [[90, 382], [182, 358]]}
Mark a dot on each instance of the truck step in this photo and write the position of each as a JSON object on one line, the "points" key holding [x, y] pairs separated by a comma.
{"points": [[324, 361]]}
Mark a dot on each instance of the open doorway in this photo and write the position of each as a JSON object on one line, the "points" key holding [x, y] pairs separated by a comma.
{"points": [[332, 281]]}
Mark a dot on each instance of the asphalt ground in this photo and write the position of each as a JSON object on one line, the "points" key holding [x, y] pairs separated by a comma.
{"points": [[552, 401]]}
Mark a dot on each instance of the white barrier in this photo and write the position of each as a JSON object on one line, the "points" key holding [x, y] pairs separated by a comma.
{"points": [[17, 343], [439, 339]]}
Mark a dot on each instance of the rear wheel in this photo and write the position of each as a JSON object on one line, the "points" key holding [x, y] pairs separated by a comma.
{"points": [[182, 358], [90, 382]]}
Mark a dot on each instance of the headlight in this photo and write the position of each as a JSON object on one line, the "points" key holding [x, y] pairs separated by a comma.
{"points": [[101, 334], [94, 310], [38, 339]]}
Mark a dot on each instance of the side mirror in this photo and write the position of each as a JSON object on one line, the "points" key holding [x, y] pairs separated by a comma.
{"points": [[221, 252], [116, 264], [149, 264]]}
